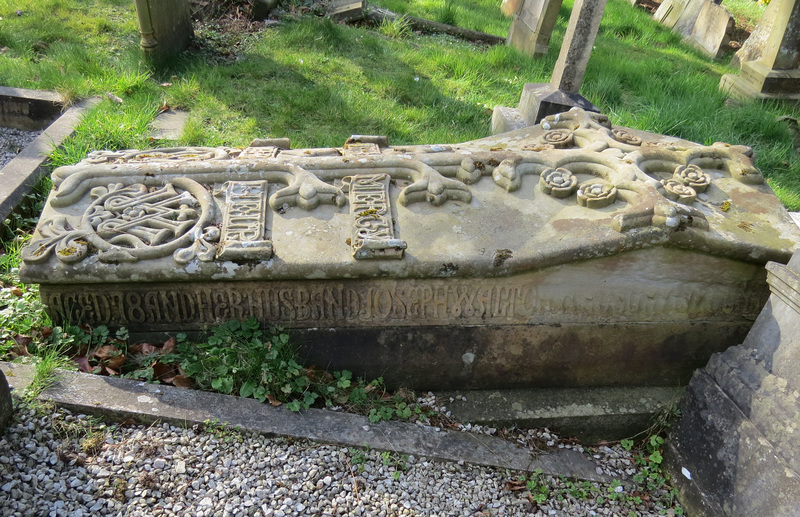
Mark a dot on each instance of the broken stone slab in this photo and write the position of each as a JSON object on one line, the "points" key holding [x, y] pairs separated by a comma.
{"points": [[573, 253], [121, 399], [168, 125]]}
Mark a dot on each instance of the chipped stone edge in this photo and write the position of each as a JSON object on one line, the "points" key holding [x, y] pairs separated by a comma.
{"points": [[121, 399]]}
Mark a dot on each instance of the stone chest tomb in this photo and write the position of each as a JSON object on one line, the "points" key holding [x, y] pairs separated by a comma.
{"points": [[572, 253]]}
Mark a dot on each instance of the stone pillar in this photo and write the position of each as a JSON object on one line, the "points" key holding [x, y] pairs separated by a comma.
{"points": [[776, 74], [6, 407], [532, 26], [165, 27], [561, 93], [736, 450]]}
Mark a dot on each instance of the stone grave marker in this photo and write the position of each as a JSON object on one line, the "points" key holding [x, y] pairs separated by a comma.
{"points": [[532, 25], [165, 27], [562, 92], [703, 23], [571, 253], [776, 73]]}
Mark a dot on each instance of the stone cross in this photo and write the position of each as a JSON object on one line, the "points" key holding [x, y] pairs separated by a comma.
{"points": [[776, 73]]}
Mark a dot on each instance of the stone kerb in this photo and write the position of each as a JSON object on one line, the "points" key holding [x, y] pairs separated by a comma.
{"points": [[573, 253]]}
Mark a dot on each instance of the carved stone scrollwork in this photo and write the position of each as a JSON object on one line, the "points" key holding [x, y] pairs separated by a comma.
{"points": [[596, 195], [692, 176], [131, 223], [559, 183], [675, 190], [171, 153]]}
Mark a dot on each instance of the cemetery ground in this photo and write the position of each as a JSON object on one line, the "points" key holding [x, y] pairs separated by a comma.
{"points": [[315, 81]]}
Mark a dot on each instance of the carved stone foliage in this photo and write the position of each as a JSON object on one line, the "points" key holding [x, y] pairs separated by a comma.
{"points": [[159, 203]]}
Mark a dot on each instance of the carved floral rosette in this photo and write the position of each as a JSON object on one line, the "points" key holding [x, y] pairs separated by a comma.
{"points": [[596, 195], [675, 190], [692, 176], [626, 137], [558, 138], [559, 183]]}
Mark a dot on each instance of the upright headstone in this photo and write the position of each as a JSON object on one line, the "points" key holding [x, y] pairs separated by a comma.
{"points": [[532, 26], [6, 407], [165, 27], [735, 450], [703, 23], [776, 74], [561, 93]]}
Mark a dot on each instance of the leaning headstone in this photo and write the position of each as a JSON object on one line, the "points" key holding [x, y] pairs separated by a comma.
{"points": [[711, 31], [735, 450], [345, 10], [776, 74], [754, 45], [532, 26], [165, 27], [571, 253], [6, 406], [562, 92]]}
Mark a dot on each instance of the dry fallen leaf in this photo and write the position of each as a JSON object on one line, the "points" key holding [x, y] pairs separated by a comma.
{"points": [[272, 400], [16, 291], [169, 346], [182, 381]]}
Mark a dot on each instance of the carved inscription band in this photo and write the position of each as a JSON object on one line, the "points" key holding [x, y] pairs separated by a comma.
{"points": [[380, 303]]}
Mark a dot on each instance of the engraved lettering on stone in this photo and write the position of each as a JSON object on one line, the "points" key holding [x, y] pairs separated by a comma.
{"points": [[244, 223], [373, 230]]}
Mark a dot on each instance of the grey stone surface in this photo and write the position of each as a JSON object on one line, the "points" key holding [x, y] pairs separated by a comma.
{"points": [[387, 260], [165, 27], [168, 125], [22, 173], [532, 25], [776, 73], [6, 407], [121, 399], [670, 11], [590, 414], [736, 436], [753, 48]]}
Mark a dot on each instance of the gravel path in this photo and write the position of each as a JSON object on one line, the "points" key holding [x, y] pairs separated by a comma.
{"points": [[59, 464], [12, 141]]}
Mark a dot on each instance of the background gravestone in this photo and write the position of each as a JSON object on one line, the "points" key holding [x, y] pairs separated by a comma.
{"points": [[532, 26], [561, 93], [165, 27], [776, 74], [6, 407]]}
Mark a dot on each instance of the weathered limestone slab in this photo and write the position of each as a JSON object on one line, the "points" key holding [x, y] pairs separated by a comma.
{"points": [[572, 253], [346, 10], [532, 26], [562, 92], [776, 74], [753, 47], [736, 437], [165, 27]]}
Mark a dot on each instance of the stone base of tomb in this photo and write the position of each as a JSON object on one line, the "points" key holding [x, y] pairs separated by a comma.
{"points": [[758, 81], [538, 101]]}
